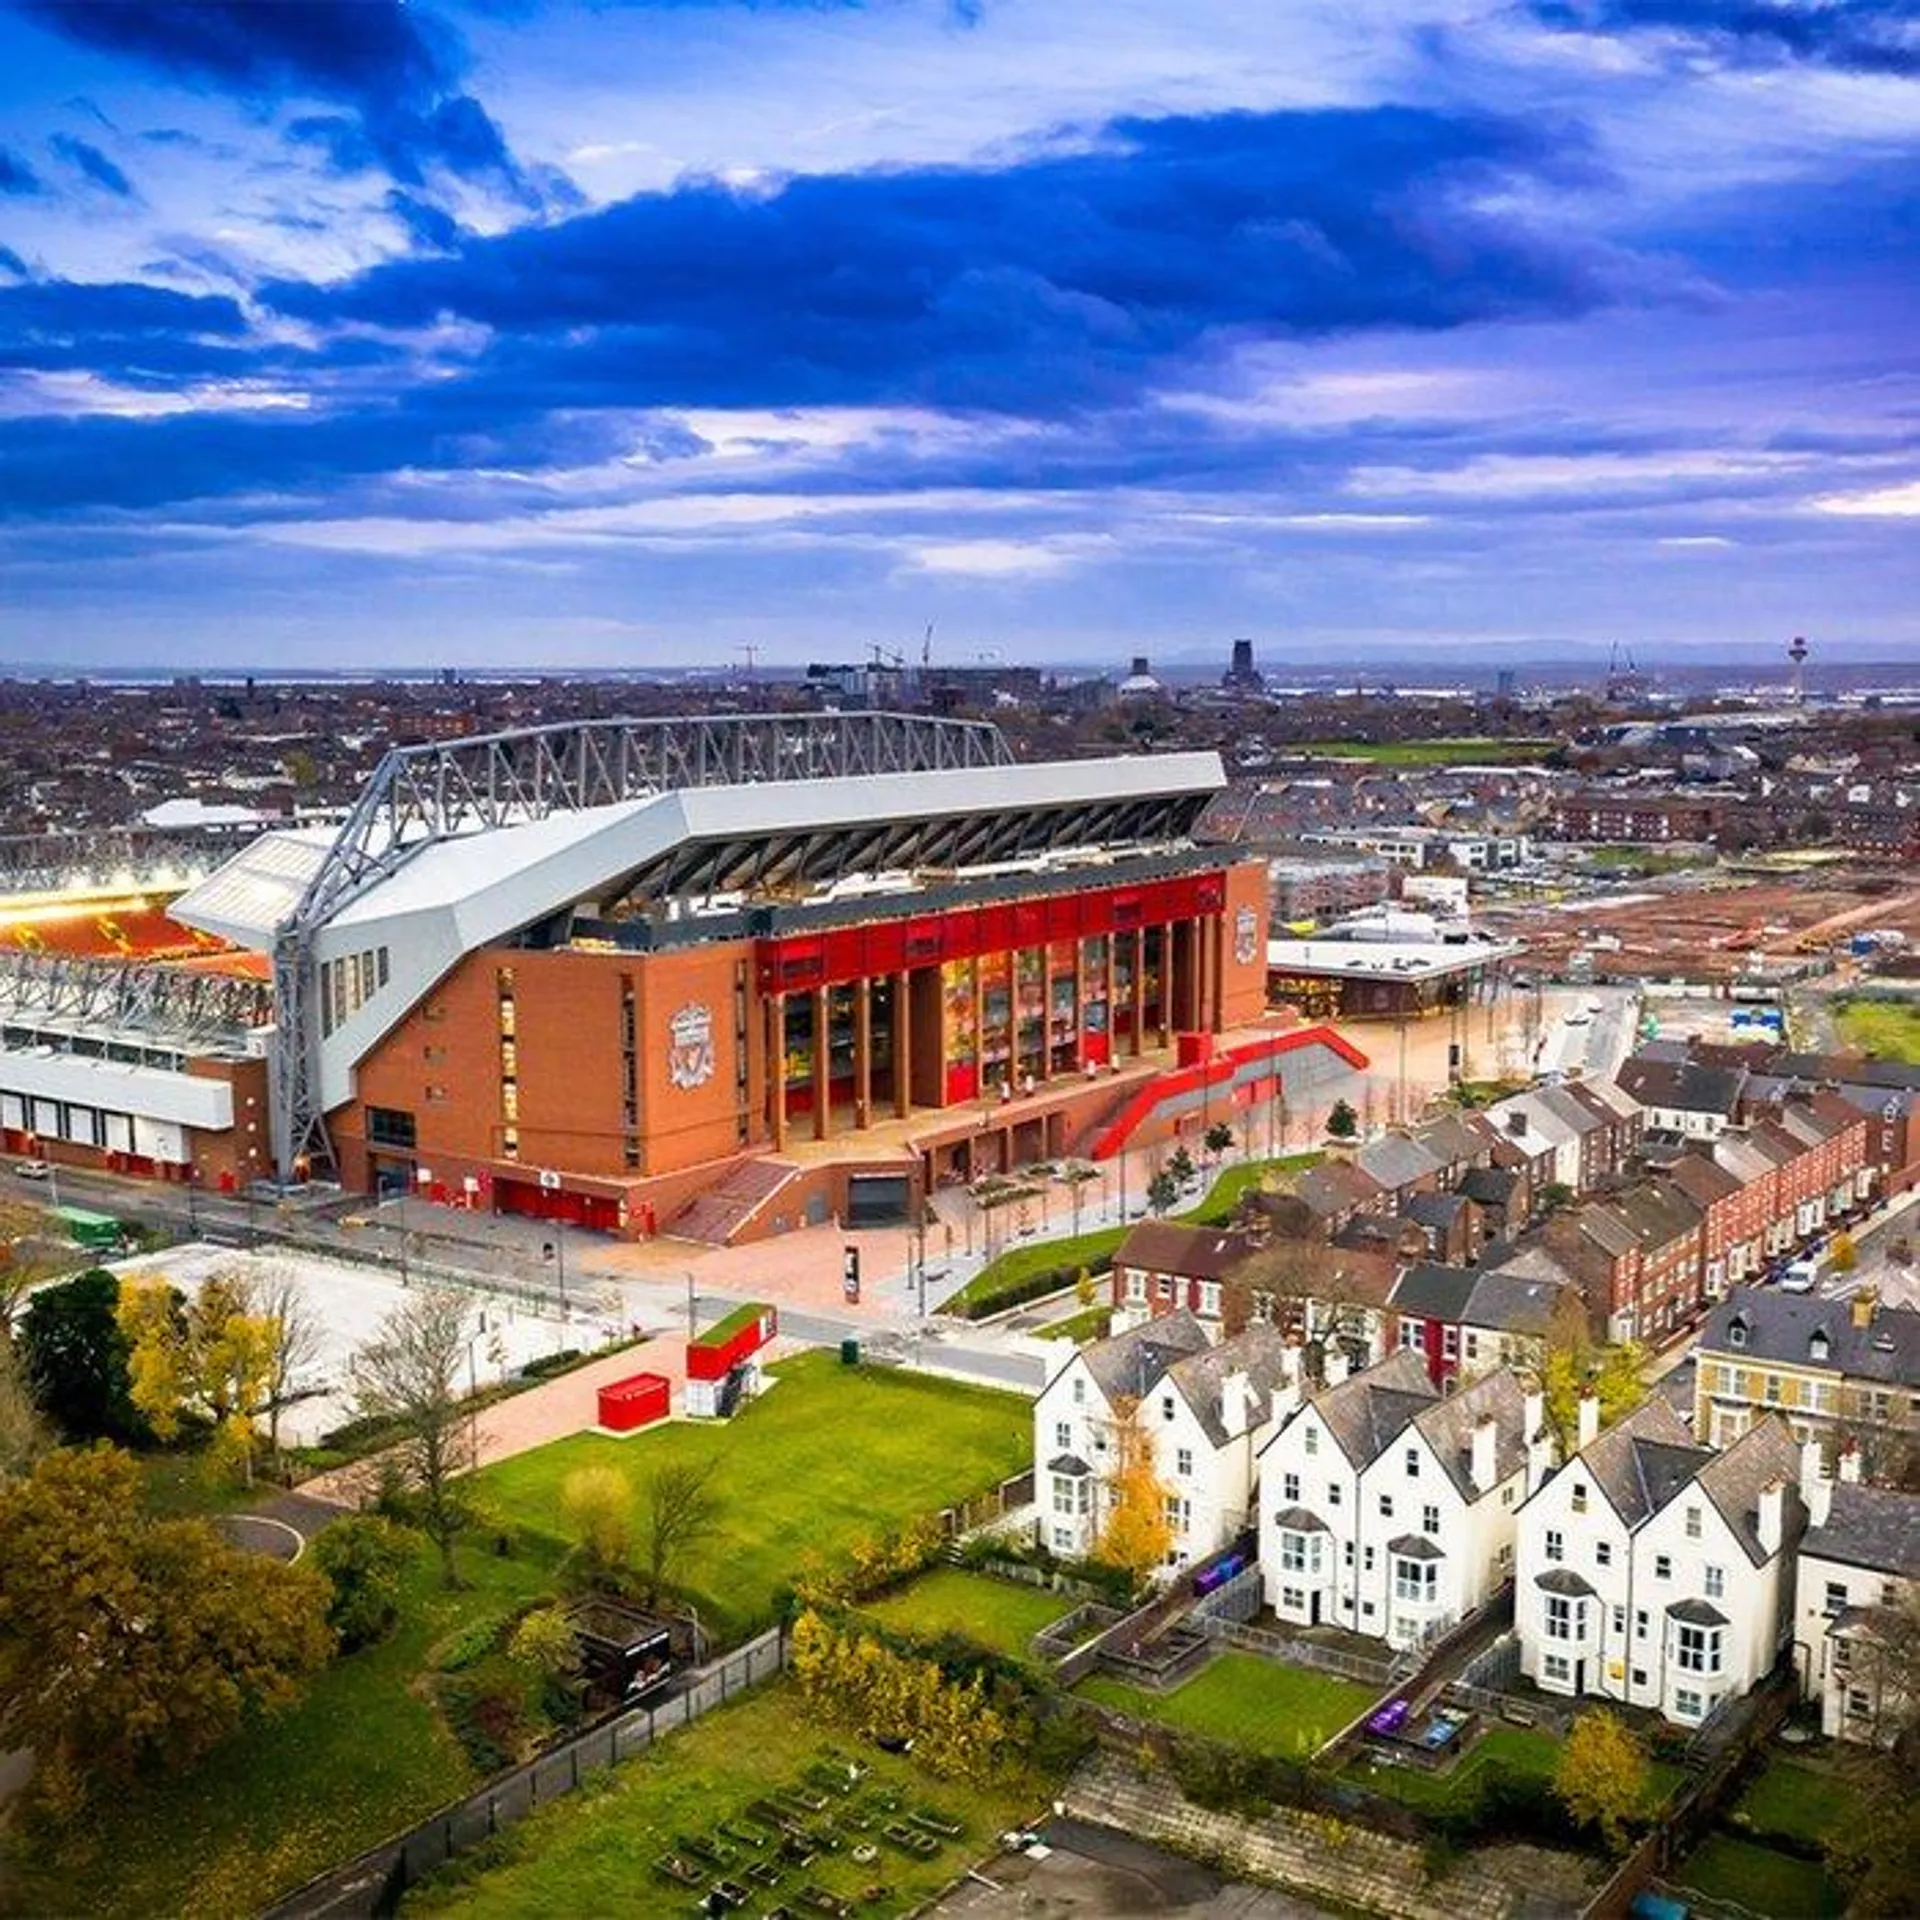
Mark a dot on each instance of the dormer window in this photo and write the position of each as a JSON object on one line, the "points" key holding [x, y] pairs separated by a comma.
{"points": [[1736, 1333], [1819, 1346]]}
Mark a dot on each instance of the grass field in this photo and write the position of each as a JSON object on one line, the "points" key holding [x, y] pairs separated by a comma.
{"points": [[1880, 1026], [1474, 751], [1801, 1801], [800, 1474], [1762, 1880], [1246, 1701], [594, 1852], [360, 1757], [1080, 1327], [1515, 1750], [995, 1613]]}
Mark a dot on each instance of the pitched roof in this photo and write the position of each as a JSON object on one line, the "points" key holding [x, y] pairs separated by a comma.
{"points": [[1366, 1412], [1450, 1139], [1578, 1114], [1765, 1455], [1436, 1210], [1200, 1253], [1433, 1291], [1684, 1086], [1131, 1364], [1335, 1186], [1490, 1186], [1396, 1161], [1507, 1302], [1448, 1429], [1875, 1527], [1642, 1461], [1263, 1354], [1703, 1179], [1762, 1323]]}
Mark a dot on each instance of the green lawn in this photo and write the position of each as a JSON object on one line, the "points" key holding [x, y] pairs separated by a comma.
{"points": [[1245, 1701], [1761, 1880], [1804, 1802], [1080, 1327], [1880, 1026], [1516, 1750], [1000, 1614], [594, 1852], [360, 1757], [1473, 751], [830, 1455], [1234, 1182]]}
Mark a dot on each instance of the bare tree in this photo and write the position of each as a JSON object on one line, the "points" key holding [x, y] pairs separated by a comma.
{"points": [[295, 1336], [23, 1434], [680, 1510], [26, 1256], [410, 1374]]}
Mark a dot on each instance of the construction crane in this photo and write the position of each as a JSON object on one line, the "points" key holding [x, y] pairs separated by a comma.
{"points": [[1622, 683]]}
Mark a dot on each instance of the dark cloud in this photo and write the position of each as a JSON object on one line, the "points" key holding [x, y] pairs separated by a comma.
{"points": [[121, 330], [427, 226], [1857, 36], [11, 262], [16, 176], [394, 69], [94, 164], [1050, 284]]}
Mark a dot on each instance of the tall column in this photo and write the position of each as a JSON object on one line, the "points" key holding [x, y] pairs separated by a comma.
{"points": [[979, 1027], [1139, 1035], [862, 1052], [1113, 1012], [822, 1068], [1166, 985], [902, 1044], [1079, 1004], [777, 1067]]}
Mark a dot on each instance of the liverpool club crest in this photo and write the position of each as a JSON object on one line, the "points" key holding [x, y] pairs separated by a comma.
{"points": [[1246, 936], [690, 1046]]}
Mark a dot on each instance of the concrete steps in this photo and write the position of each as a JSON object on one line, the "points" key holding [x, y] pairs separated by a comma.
{"points": [[718, 1215]]}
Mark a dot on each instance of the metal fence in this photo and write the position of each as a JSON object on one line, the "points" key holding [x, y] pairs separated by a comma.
{"points": [[1236, 1600], [1364, 1668], [986, 1508], [374, 1883]]}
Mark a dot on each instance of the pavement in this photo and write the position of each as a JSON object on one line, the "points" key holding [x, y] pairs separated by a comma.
{"points": [[1083, 1870]]}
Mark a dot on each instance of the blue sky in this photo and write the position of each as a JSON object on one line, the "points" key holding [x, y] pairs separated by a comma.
{"points": [[621, 333]]}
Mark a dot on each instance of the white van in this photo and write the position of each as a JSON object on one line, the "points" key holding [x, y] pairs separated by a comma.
{"points": [[1803, 1275]]}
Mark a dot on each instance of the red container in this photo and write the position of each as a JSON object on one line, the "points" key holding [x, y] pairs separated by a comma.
{"points": [[709, 1359], [635, 1402]]}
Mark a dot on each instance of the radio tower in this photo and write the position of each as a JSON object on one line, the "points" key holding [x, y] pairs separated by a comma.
{"points": [[1797, 653]]}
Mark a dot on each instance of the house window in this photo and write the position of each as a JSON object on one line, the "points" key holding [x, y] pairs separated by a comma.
{"points": [[1506, 1496], [1450, 1343], [1079, 1391], [1310, 1440], [1716, 1583], [1556, 1544], [1663, 1566], [1412, 1336], [1063, 1539], [1063, 1435], [1183, 1463], [1166, 1406], [1772, 1393], [1557, 1668], [1416, 1580], [1429, 1519], [1639, 1676], [1289, 1486], [1210, 1298], [1559, 1617], [1294, 1555], [1697, 1649], [1386, 1506], [1603, 1553], [1366, 1559], [1578, 1501], [1072, 1494], [1413, 1463], [1619, 1619], [1687, 1703], [1693, 1523], [1333, 1493], [1640, 1623], [1178, 1513], [1165, 1287], [1136, 1289], [1260, 1312]]}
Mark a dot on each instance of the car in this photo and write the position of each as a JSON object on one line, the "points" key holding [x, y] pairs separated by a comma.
{"points": [[1801, 1276], [33, 1170], [1579, 1017]]}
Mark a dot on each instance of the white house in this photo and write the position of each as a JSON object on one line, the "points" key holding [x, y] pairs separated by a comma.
{"points": [[1658, 1572], [1859, 1561], [1207, 1410], [1389, 1510]]}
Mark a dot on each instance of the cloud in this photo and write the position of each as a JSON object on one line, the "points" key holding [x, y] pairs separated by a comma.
{"points": [[94, 164], [1899, 502], [12, 263], [1854, 36], [395, 69], [16, 177], [426, 225], [1065, 280]]}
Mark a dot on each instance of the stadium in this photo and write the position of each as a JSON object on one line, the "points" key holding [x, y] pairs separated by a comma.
{"points": [[721, 977]]}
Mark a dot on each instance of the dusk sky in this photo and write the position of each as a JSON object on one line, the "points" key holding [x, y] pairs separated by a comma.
{"points": [[610, 333]]}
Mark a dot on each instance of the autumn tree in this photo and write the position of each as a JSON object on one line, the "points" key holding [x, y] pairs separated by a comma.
{"points": [[129, 1644], [596, 1503], [678, 1511], [74, 1356], [1085, 1293], [1842, 1254], [1873, 1853], [1611, 1373], [1601, 1776], [23, 1434], [409, 1374], [363, 1558], [1135, 1534], [26, 1257], [295, 1342]]}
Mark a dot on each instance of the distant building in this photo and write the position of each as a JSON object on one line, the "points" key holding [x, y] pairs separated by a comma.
{"points": [[1242, 676], [1140, 683]]}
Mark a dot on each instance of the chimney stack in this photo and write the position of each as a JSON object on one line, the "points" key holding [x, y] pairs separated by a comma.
{"points": [[1864, 1306], [1333, 1365], [1816, 1489], [1516, 1123], [1236, 1401], [1850, 1465], [1589, 1421], [1482, 1462], [1769, 1523]]}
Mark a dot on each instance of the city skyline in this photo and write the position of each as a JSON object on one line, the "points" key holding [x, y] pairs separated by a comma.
{"points": [[509, 333]]}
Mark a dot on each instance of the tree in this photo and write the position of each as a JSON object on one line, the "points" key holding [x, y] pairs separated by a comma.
{"points": [[23, 1434], [1219, 1137], [1180, 1165], [1842, 1255], [1552, 1197], [679, 1510], [74, 1356], [363, 1558], [1611, 1374], [1162, 1190], [207, 1357], [1136, 1534], [25, 1259], [545, 1646], [410, 1374], [129, 1644], [1601, 1777], [1084, 1291], [1872, 1853], [295, 1342], [597, 1505], [1343, 1123]]}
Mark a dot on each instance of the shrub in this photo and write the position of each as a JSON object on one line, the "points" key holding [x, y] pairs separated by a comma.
{"points": [[473, 1642], [489, 1718], [363, 1558], [597, 1505], [547, 1364]]}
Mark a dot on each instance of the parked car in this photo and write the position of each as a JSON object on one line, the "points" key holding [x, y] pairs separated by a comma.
{"points": [[1802, 1275], [32, 1169]]}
